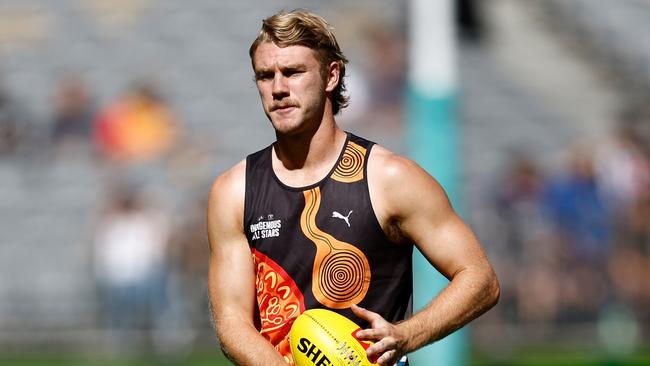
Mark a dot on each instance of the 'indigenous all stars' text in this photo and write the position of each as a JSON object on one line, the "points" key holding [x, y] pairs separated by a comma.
{"points": [[266, 229]]}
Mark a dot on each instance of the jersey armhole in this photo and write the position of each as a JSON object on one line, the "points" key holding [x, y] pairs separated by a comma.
{"points": [[375, 220], [247, 194]]}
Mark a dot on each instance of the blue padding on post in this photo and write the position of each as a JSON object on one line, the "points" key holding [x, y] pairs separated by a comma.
{"points": [[433, 139]]}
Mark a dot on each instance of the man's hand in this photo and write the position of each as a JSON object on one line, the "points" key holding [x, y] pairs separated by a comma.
{"points": [[390, 342]]}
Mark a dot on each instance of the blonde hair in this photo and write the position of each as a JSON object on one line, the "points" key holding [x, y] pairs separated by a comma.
{"points": [[301, 28]]}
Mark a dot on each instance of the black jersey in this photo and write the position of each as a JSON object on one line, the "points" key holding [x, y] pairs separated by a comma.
{"points": [[321, 246]]}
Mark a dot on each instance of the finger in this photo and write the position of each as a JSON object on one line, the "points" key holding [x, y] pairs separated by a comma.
{"points": [[388, 359], [380, 347], [365, 314], [371, 334]]}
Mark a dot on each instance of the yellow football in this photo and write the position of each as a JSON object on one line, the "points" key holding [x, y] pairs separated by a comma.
{"points": [[320, 337]]}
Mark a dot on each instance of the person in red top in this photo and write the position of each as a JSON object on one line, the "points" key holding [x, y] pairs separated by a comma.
{"points": [[137, 127], [322, 218]]}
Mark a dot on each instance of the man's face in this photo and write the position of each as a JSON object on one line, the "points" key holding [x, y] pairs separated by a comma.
{"points": [[291, 86]]}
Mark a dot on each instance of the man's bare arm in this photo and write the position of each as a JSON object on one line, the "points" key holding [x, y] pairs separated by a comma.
{"points": [[231, 279], [409, 200]]}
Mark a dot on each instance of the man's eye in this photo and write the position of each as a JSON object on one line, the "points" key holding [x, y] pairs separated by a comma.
{"points": [[264, 76], [292, 72]]}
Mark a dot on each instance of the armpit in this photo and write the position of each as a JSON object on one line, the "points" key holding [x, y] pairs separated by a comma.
{"points": [[395, 234]]}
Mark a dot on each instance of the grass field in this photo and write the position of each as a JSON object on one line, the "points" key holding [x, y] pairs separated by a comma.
{"points": [[538, 356], [212, 359], [544, 355]]}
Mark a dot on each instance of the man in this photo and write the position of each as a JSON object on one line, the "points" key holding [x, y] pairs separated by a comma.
{"points": [[323, 218]]}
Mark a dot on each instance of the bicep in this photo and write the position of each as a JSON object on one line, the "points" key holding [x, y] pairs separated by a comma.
{"points": [[231, 281], [445, 241], [424, 215]]}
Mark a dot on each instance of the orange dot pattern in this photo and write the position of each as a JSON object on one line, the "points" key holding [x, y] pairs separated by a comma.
{"points": [[279, 302]]}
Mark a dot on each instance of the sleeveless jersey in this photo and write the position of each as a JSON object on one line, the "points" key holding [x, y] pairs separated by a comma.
{"points": [[321, 246]]}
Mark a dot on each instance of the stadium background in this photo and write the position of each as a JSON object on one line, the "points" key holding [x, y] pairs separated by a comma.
{"points": [[555, 188]]}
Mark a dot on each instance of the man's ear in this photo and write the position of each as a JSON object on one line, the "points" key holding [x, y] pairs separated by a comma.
{"points": [[333, 75]]}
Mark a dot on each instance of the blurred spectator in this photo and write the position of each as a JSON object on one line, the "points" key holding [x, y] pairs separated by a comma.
{"points": [[519, 204], [137, 127], [629, 270], [13, 123], [622, 169], [189, 256], [73, 112], [623, 174], [130, 264], [556, 251], [386, 78], [187, 286], [379, 89], [527, 261], [639, 224], [470, 20], [582, 224], [579, 213]]}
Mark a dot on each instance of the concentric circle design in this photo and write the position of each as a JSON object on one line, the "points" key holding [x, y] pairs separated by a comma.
{"points": [[341, 272], [342, 276], [350, 167]]}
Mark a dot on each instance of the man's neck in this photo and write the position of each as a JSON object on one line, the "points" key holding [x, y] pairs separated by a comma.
{"points": [[304, 158]]}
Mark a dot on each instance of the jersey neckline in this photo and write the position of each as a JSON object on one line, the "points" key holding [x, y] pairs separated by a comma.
{"points": [[319, 182]]}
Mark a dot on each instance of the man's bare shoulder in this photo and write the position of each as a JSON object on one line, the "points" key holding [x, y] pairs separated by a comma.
{"points": [[399, 185], [228, 190], [391, 167], [230, 181]]}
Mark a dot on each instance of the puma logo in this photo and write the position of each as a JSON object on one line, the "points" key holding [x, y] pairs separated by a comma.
{"points": [[344, 218]]}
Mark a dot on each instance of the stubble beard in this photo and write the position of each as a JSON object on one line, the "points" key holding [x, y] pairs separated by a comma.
{"points": [[301, 120]]}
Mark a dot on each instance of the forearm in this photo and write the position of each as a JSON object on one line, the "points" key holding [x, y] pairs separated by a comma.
{"points": [[244, 345], [467, 296]]}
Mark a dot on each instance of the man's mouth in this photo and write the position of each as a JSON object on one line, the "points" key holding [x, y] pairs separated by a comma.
{"points": [[282, 107]]}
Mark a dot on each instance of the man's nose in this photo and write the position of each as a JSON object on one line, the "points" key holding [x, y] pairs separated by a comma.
{"points": [[280, 87]]}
